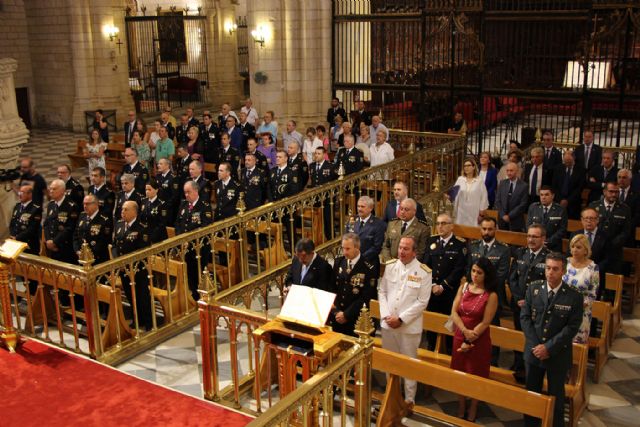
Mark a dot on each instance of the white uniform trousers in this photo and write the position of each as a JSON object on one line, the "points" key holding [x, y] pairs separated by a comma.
{"points": [[406, 344]]}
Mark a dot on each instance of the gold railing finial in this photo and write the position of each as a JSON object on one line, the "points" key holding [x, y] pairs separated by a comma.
{"points": [[341, 172], [207, 282], [85, 257], [412, 147], [240, 205], [538, 135], [364, 325]]}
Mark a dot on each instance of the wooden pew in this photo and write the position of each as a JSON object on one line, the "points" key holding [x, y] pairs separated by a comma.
{"points": [[572, 225], [613, 283], [632, 282], [178, 292], [275, 254], [313, 224], [230, 274], [506, 339], [42, 308], [503, 395], [600, 344], [77, 159]]}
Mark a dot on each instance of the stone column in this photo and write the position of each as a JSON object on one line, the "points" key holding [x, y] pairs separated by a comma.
{"points": [[13, 135], [296, 58], [225, 84]]}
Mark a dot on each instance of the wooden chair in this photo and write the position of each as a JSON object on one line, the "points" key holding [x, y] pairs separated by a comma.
{"points": [[175, 295], [601, 311], [632, 281], [614, 283]]}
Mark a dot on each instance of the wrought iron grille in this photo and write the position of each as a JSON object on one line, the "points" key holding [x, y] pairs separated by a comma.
{"points": [[510, 67], [167, 57], [242, 36]]}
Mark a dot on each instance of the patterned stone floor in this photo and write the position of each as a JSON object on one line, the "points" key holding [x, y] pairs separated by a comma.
{"points": [[176, 363]]}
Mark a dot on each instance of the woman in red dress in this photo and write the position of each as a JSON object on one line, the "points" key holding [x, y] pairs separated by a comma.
{"points": [[472, 312]]}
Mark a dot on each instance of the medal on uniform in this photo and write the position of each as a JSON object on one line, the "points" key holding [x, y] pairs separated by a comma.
{"points": [[95, 229], [536, 292], [433, 246]]}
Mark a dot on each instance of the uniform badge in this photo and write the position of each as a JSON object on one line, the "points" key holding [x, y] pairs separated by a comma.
{"points": [[25, 217], [352, 159], [95, 229], [326, 172], [284, 178], [433, 246], [536, 292], [231, 194], [355, 291]]}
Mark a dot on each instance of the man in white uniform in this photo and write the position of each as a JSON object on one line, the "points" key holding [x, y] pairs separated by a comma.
{"points": [[404, 294]]}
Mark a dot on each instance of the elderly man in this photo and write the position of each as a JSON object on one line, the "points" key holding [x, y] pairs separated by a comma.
{"points": [[298, 166], [598, 177], [552, 156], [376, 125], [568, 180], [406, 225], [370, 229], [404, 293], [73, 188], [194, 213], [290, 135], [135, 168], [356, 282], [308, 268], [94, 228], [511, 200], [629, 198], [528, 266], [195, 175], [131, 235], [381, 152], [60, 224], [252, 114], [536, 174], [129, 127], [349, 157], [400, 193], [25, 225], [588, 155], [128, 192], [446, 255]]}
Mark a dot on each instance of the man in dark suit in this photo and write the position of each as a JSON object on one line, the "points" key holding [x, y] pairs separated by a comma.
{"points": [[254, 183], [360, 115], [229, 154], [511, 200], [73, 188], [299, 167], [552, 156], [25, 220], [528, 266], [400, 192], [308, 268], [550, 318], [598, 177], [227, 192], [128, 192], [370, 229], [322, 172], [60, 224], [182, 165], [536, 175], [194, 213], [616, 221], [166, 123], [94, 228], [135, 168], [588, 155], [335, 110], [235, 133], [550, 215], [631, 199], [129, 127], [195, 175], [168, 189], [247, 130], [446, 255], [106, 198], [131, 235], [349, 157], [191, 118], [568, 181], [355, 284], [154, 213]]}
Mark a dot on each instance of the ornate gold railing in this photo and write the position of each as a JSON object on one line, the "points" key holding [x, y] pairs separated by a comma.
{"points": [[253, 243]]}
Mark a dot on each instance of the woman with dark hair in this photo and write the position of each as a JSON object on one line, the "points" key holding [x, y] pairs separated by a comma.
{"points": [[488, 175], [471, 200], [472, 312]]}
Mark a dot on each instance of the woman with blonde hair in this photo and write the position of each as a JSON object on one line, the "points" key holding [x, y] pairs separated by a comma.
{"points": [[469, 195], [583, 274]]}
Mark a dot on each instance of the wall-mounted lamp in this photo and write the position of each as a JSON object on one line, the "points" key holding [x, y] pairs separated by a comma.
{"points": [[112, 31], [230, 27], [258, 36]]}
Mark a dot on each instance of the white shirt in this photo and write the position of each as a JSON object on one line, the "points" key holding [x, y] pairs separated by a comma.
{"points": [[252, 114], [538, 178]]}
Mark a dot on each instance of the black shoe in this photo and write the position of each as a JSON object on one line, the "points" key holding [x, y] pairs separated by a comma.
{"points": [[520, 377]]}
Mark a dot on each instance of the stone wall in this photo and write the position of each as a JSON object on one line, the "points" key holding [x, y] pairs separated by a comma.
{"points": [[14, 43]]}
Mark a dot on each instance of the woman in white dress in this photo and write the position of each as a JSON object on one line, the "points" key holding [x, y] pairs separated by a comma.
{"points": [[310, 144], [471, 201], [583, 274]]}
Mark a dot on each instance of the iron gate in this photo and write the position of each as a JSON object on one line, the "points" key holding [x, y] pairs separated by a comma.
{"points": [[510, 67], [167, 57]]}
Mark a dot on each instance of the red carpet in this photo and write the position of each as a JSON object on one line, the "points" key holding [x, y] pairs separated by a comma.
{"points": [[46, 387]]}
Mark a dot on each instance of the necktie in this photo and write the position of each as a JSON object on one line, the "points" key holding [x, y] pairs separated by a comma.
{"points": [[531, 258], [190, 207], [278, 173], [565, 184], [550, 297], [548, 153], [608, 210], [510, 189], [398, 209], [303, 272], [485, 249], [604, 174], [509, 197], [318, 168], [248, 174], [546, 212], [590, 236], [404, 227], [361, 224], [126, 227], [534, 181], [622, 195], [586, 156]]}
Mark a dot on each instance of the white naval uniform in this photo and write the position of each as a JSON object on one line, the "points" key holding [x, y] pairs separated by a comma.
{"points": [[404, 292]]}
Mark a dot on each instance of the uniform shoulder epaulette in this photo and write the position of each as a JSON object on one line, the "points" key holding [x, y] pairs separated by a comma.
{"points": [[498, 243], [368, 264], [537, 282], [106, 218], [37, 206], [422, 222], [390, 261], [395, 219], [462, 239], [425, 267], [435, 235]]}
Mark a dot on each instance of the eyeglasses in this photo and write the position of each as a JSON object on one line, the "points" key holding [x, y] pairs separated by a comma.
{"points": [[443, 223], [590, 218]]}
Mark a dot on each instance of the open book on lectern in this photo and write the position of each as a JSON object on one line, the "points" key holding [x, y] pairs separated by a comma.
{"points": [[307, 306]]}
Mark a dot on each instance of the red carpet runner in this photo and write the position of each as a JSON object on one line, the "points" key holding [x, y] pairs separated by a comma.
{"points": [[45, 387]]}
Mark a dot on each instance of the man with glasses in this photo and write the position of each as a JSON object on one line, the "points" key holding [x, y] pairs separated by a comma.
{"points": [[528, 266], [72, 187], [446, 255], [599, 240], [615, 220]]}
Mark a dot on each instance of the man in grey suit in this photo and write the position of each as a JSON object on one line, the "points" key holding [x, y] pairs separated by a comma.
{"points": [[511, 200], [550, 318]]}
